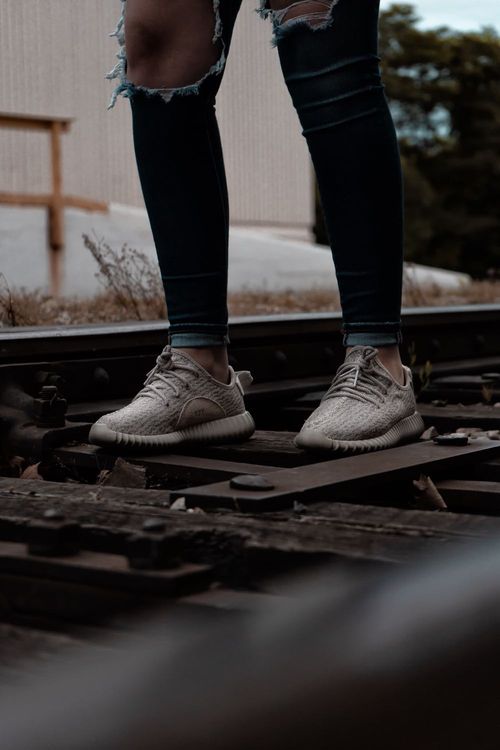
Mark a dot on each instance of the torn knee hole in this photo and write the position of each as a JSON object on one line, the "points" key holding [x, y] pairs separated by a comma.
{"points": [[314, 12], [174, 67], [171, 57], [286, 15], [179, 60]]}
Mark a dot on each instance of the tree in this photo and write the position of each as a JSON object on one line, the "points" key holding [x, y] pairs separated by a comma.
{"points": [[443, 87]]}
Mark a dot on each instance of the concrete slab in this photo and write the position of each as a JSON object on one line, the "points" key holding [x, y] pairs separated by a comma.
{"points": [[259, 259]]}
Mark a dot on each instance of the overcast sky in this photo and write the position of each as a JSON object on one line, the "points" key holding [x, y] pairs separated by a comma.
{"points": [[459, 14]]}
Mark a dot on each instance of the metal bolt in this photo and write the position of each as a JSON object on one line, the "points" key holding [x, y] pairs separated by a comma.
{"points": [[53, 536], [52, 514], [280, 358], [49, 408], [453, 438], [48, 392], [152, 551], [43, 377], [154, 525], [101, 376], [251, 482]]}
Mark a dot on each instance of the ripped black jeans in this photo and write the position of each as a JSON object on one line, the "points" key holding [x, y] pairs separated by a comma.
{"points": [[330, 65]]}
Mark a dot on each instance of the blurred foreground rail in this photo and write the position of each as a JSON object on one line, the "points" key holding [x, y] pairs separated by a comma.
{"points": [[90, 539]]}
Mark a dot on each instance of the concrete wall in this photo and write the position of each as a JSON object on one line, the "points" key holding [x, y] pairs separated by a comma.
{"points": [[53, 58]]}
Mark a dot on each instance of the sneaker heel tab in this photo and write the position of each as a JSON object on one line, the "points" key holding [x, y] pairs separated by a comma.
{"points": [[243, 380]]}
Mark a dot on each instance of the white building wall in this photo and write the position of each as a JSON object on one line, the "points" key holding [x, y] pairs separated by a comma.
{"points": [[54, 55]]}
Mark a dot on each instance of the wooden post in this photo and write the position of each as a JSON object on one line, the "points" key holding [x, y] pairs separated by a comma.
{"points": [[57, 206], [56, 210], [56, 201]]}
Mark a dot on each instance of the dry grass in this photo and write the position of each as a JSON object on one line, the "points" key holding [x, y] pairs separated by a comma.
{"points": [[40, 309], [19, 307], [132, 290], [269, 303], [474, 293], [323, 300], [129, 277]]}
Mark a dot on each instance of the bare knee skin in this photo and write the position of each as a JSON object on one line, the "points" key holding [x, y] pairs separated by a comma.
{"points": [[169, 44], [321, 7]]}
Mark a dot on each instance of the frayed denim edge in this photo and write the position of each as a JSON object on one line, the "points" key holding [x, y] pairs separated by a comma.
{"points": [[281, 28], [385, 333], [126, 88]]}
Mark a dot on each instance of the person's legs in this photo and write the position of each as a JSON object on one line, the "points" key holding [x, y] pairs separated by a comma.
{"points": [[329, 57], [173, 66], [170, 66]]}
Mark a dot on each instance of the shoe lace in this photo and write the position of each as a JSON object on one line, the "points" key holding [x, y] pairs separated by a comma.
{"points": [[163, 376], [358, 380]]}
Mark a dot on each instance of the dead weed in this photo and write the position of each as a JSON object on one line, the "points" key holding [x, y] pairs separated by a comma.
{"points": [[133, 290]]}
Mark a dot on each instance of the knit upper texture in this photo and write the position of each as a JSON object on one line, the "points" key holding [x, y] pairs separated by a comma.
{"points": [[175, 382], [363, 401]]}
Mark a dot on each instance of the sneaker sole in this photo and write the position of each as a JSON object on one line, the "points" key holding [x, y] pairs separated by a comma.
{"points": [[230, 429], [405, 430]]}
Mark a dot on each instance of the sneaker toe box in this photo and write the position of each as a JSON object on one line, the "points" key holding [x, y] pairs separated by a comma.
{"points": [[354, 420], [134, 420]]}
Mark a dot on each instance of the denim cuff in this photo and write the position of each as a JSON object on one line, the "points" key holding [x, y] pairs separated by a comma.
{"points": [[372, 339], [198, 339], [386, 333]]}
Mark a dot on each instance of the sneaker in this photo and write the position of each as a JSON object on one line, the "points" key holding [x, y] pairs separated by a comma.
{"points": [[180, 403], [364, 409]]}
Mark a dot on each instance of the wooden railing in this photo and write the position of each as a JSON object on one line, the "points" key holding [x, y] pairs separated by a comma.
{"points": [[55, 201]]}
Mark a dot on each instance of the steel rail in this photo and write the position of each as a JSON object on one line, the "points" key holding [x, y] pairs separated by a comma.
{"points": [[95, 369], [437, 333]]}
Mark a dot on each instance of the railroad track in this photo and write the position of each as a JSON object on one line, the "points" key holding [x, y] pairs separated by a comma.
{"points": [[88, 538]]}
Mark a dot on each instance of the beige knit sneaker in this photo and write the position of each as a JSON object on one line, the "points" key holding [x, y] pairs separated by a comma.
{"points": [[364, 409], [181, 403]]}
